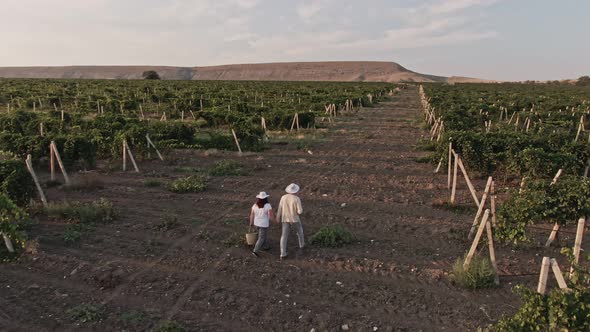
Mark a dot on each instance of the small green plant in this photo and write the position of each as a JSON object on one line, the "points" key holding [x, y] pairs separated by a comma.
{"points": [[479, 273], [152, 247], [85, 184], [150, 183], [101, 210], [227, 168], [169, 326], [455, 208], [72, 234], [234, 240], [87, 313], [167, 223], [133, 318], [424, 159], [189, 184], [186, 169], [332, 236]]}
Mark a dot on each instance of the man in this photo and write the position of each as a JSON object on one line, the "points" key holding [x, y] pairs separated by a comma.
{"points": [[288, 214]]}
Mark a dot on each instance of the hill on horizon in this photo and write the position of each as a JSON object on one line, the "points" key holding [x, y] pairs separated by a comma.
{"points": [[343, 71]]}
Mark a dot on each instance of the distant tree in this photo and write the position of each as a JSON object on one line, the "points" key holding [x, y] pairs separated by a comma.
{"points": [[151, 75], [583, 81]]}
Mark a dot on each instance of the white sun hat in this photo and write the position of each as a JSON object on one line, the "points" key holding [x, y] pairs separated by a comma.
{"points": [[262, 195], [292, 188]]}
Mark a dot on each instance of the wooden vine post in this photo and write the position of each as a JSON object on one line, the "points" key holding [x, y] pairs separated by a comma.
{"points": [[454, 188], [449, 165], [578, 242], [469, 184], [54, 155], [150, 143], [544, 274], [555, 230], [485, 224], [493, 202], [263, 123], [480, 208], [29, 164], [127, 151], [237, 142], [295, 122]]}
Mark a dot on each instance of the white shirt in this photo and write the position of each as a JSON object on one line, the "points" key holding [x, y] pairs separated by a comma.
{"points": [[290, 208], [261, 218]]}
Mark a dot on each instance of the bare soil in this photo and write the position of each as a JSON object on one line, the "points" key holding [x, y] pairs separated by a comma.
{"points": [[364, 175]]}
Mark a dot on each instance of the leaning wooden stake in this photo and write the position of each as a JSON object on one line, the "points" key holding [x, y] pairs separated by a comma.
{"points": [[481, 206], [237, 142], [480, 230], [454, 189], [7, 242], [295, 122], [51, 161], [493, 202], [542, 286], [556, 177], [558, 275], [150, 143], [127, 150], [29, 164], [60, 163], [469, 184], [553, 235], [578, 243], [449, 165], [439, 165], [556, 226], [492, 251]]}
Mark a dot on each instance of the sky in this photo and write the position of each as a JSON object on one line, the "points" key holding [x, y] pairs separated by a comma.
{"points": [[491, 39]]}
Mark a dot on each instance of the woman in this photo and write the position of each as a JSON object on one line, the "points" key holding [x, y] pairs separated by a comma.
{"points": [[260, 216]]}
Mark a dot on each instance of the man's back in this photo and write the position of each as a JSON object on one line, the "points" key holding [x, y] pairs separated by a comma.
{"points": [[290, 208]]}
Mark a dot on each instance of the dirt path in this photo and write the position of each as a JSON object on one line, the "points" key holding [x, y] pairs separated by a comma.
{"points": [[364, 176]]}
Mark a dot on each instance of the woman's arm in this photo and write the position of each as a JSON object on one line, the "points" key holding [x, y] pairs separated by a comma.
{"points": [[251, 217]]}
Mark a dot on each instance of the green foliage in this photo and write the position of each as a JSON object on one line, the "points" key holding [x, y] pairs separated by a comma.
{"points": [[99, 114], [168, 222], [332, 236], [133, 318], [539, 150], [100, 210], [169, 326], [87, 313], [234, 240], [152, 183], [563, 203], [189, 184], [583, 81], [150, 75], [73, 233], [11, 218], [15, 180], [227, 168], [557, 311], [479, 273]]}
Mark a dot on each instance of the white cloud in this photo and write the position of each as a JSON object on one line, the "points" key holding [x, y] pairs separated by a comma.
{"points": [[203, 32], [308, 10]]}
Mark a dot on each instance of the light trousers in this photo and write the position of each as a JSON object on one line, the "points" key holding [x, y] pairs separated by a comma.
{"points": [[285, 236], [261, 239]]}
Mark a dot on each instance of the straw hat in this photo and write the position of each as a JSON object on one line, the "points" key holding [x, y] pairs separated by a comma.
{"points": [[262, 195], [292, 188]]}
